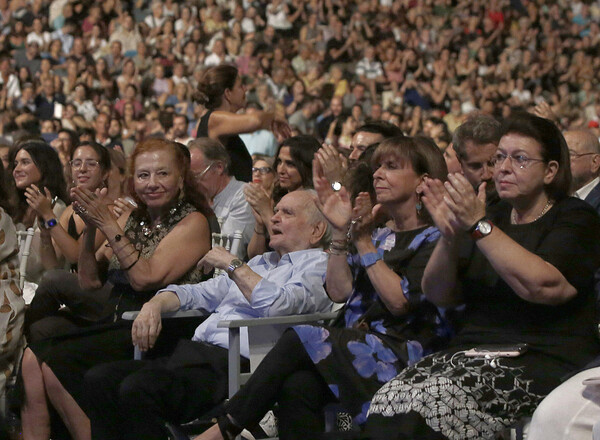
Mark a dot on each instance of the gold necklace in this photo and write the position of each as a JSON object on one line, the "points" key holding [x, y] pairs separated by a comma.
{"points": [[548, 205]]}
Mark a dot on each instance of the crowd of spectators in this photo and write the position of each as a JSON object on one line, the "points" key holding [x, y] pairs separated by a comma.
{"points": [[121, 71]]}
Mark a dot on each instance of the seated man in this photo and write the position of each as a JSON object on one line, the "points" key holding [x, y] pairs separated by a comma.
{"points": [[211, 166], [134, 399]]}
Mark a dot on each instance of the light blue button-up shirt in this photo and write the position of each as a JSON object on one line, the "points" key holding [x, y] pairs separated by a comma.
{"points": [[290, 285]]}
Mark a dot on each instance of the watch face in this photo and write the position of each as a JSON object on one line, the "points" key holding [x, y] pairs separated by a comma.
{"points": [[484, 227], [336, 186]]}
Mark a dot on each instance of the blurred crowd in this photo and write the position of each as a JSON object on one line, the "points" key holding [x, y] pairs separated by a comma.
{"points": [[119, 71]]}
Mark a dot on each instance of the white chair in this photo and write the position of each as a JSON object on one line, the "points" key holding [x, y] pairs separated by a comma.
{"points": [[24, 239], [231, 243]]}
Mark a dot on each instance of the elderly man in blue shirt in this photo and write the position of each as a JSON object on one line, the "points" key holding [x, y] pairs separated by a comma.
{"points": [[134, 399]]}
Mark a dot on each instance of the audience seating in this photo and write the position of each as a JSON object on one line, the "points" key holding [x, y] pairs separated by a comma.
{"points": [[24, 239]]}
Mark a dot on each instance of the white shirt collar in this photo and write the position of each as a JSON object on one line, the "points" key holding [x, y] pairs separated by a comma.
{"points": [[585, 190]]}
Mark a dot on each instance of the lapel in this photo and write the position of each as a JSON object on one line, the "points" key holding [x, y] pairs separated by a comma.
{"points": [[593, 197]]}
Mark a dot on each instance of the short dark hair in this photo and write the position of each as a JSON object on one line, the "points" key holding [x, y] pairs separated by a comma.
{"points": [[386, 129], [554, 147], [481, 129]]}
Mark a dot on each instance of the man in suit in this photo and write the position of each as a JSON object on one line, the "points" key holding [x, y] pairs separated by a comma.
{"points": [[584, 150]]}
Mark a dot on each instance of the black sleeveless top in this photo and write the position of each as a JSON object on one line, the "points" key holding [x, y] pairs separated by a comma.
{"points": [[241, 161]]}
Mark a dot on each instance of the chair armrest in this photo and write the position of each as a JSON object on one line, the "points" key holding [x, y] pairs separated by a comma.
{"points": [[130, 316], [276, 320]]}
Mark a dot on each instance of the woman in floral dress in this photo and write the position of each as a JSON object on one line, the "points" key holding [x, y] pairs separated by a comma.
{"points": [[385, 324]]}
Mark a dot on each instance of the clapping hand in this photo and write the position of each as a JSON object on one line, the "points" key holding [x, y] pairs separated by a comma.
{"points": [[333, 164], [92, 207], [335, 205], [40, 202], [466, 206]]}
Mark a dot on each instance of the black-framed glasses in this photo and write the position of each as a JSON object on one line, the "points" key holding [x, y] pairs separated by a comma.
{"points": [[262, 170], [520, 160], [576, 155], [77, 164]]}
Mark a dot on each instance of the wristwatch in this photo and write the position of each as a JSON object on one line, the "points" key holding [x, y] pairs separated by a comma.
{"points": [[368, 260], [233, 265], [483, 228], [50, 223], [336, 186]]}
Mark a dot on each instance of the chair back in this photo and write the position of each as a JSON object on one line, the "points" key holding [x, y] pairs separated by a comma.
{"points": [[24, 239], [231, 242]]}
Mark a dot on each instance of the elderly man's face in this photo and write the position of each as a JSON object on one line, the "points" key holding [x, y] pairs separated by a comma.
{"points": [[291, 225], [206, 173]]}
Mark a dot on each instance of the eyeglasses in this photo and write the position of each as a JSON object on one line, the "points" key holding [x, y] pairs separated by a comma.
{"points": [[576, 155], [262, 170], [519, 160], [89, 163], [201, 174]]}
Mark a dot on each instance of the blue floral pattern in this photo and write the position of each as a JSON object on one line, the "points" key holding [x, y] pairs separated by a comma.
{"points": [[370, 346]]}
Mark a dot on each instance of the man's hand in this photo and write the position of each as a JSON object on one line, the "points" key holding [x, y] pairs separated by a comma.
{"points": [[217, 258], [147, 326]]}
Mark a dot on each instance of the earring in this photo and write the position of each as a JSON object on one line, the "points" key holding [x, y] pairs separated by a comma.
{"points": [[419, 205]]}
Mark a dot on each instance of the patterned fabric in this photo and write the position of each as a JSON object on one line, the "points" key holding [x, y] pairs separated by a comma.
{"points": [[457, 395], [146, 240], [368, 346], [12, 306]]}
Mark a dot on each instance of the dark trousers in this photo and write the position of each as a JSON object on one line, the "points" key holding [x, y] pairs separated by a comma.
{"points": [[134, 399], [287, 375], [58, 287]]}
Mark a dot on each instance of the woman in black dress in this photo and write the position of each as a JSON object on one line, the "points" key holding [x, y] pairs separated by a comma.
{"points": [[525, 270], [221, 91]]}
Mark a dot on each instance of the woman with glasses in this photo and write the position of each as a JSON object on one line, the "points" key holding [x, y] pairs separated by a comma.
{"points": [[263, 173], [89, 168], [525, 271], [38, 178]]}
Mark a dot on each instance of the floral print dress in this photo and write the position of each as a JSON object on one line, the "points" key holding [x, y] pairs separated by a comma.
{"points": [[367, 345]]}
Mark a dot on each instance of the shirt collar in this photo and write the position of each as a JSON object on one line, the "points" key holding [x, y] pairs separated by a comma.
{"points": [[585, 190]]}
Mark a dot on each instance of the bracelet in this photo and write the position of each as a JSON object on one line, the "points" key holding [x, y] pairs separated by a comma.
{"points": [[135, 262], [259, 233], [338, 245], [333, 251]]}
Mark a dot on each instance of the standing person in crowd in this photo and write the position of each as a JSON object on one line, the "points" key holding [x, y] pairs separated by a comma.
{"points": [[584, 150], [38, 178], [385, 325], [161, 243], [293, 165], [221, 91], [512, 265]]}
